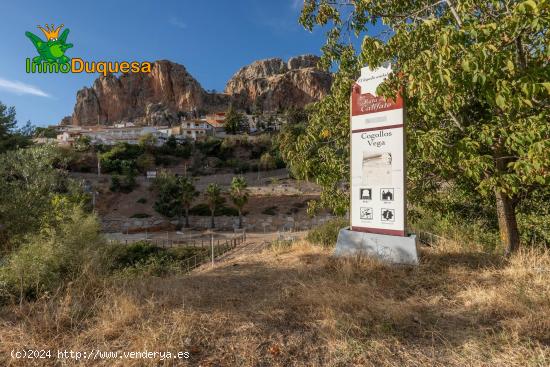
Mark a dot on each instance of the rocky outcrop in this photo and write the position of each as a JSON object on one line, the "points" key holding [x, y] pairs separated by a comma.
{"points": [[170, 92], [272, 84], [130, 96], [67, 120], [302, 62]]}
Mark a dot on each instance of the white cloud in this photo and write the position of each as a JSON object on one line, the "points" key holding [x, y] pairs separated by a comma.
{"points": [[20, 88], [176, 22]]}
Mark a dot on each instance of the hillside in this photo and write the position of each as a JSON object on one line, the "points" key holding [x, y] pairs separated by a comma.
{"points": [[298, 306]]}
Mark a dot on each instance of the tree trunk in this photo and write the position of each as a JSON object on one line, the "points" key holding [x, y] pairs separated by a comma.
{"points": [[507, 224], [240, 219], [186, 217], [212, 220]]}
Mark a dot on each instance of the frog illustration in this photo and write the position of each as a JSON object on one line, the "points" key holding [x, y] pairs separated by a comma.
{"points": [[52, 50]]}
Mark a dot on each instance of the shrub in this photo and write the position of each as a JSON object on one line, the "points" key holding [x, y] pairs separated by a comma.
{"points": [[145, 162], [166, 160], [124, 184], [30, 182], [143, 258], [53, 257], [292, 210], [272, 210], [140, 215], [169, 199], [120, 158], [326, 234], [173, 148], [204, 211], [209, 147]]}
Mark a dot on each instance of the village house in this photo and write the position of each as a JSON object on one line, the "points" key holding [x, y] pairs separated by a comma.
{"points": [[194, 129], [216, 121]]}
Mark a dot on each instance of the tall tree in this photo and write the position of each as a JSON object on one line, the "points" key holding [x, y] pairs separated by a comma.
{"points": [[10, 137], [214, 200], [475, 78], [239, 195], [188, 194], [234, 121], [169, 197]]}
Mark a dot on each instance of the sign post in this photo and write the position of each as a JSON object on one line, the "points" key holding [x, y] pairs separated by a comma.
{"points": [[378, 225]]}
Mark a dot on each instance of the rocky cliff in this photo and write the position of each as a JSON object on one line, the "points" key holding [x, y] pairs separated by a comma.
{"points": [[273, 84], [162, 96]]}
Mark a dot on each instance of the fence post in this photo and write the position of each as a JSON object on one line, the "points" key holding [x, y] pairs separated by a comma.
{"points": [[212, 242]]}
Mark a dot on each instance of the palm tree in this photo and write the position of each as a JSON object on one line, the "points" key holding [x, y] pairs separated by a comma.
{"points": [[214, 199], [239, 195], [188, 194]]}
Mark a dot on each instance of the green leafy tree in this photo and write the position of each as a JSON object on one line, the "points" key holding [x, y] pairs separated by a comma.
{"points": [[45, 132], [10, 137], [239, 195], [145, 162], [169, 199], [171, 142], [188, 195], [294, 115], [475, 79], [30, 185], [148, 142], [214, 199], [120, 157], [82, 143], [234, 121]]}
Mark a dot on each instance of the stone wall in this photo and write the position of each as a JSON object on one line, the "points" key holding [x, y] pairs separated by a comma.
{"points": [[251, 224]]}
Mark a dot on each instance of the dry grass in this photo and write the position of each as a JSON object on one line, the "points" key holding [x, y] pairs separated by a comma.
{"points": [[297, 306]]}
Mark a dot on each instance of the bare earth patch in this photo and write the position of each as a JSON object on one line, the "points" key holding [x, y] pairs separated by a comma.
{"points": [[298, 306]]}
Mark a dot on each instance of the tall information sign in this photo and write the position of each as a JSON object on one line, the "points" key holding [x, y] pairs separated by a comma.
{"points": [[377, 158]]}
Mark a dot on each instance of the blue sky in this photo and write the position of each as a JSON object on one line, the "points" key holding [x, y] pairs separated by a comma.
{"points": [[213, 39]]}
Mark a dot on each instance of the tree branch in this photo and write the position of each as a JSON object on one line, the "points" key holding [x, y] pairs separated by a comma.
{"points": [[455, 120]]}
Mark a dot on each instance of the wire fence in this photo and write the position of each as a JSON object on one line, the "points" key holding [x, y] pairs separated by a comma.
{"points": [[217, 248], [195, 261], [170, 243], [429, 239]]}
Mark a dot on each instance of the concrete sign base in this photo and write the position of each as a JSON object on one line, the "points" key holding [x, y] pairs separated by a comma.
{"points": [[392, 249]]}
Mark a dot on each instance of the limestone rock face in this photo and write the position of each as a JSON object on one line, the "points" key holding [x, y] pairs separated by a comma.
{"points": [[272, 84], [169, 92], [303, 61], [67, 120], [126, 98]]}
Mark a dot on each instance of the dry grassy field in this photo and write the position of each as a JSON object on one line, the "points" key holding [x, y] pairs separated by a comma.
{"points": [[297, 306]]}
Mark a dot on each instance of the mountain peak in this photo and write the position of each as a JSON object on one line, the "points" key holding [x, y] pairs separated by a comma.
{"points": [[268, 84]]}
